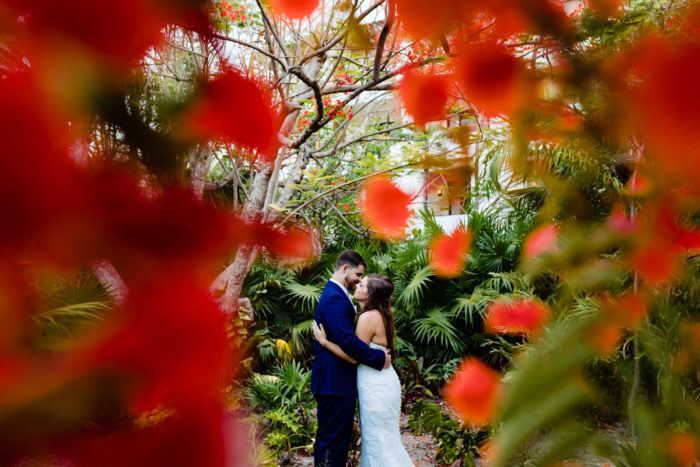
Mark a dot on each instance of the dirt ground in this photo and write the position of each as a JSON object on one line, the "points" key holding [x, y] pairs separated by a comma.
{"points": [[421, 449]]}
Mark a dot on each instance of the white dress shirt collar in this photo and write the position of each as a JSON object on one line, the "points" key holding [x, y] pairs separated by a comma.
{"points": [[344, 289]]}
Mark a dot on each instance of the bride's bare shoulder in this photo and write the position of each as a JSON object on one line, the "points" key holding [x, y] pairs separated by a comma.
{"points": [[369, 317]]}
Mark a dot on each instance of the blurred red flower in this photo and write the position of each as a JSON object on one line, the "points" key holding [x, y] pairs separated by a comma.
{"points": [[117, 31], [474, 391], [170, 346], [235, 109], [424, 96], [627, 311], [294, 9], [385, 207], [448, 253], [492, 79], [541, 240], [663, 76], [426, 20], [521, 316], [684, 449], [603, 337]]}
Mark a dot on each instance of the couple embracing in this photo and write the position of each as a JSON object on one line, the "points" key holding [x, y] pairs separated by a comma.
{"points": [[353, 359]]}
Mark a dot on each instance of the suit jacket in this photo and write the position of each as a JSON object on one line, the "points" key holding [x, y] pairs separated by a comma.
{"points": [[331, 375]]}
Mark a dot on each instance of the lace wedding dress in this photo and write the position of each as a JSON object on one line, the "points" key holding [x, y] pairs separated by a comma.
{"points": [[379, 393]]}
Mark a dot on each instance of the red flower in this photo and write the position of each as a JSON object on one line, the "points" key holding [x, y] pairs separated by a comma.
{"points": [[541, 240], [118, 31], [475, 391], [493, 80], [385, 207], [604, 337], [521, 316], [171, 347], [426, 20], [204, 437], [448, 253], [684, 449], [657, 263], [424, 96], [236, 109], [295, 9], [34, 145], [653, 64], [627, 311]]}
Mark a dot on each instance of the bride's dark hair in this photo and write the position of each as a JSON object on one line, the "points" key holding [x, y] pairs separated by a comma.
{"points": [[379, 290]]}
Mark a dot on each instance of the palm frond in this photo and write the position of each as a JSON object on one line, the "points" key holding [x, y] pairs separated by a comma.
{"points": [[415, 288], [436, 328], [306, 295]]}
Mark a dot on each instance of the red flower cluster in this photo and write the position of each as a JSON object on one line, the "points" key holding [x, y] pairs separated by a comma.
{"points": [[295, 9], [236, 110], [448, 253], [226, 10], [520, 316], [166, 345], [475, 391], [424, 96], [385, 207]]}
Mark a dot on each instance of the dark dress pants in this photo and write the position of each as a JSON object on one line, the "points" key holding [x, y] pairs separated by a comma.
{"points": [[335, 418]]}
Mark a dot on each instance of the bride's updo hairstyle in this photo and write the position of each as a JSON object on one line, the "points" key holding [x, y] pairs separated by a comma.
{"points": [[379, 291]]}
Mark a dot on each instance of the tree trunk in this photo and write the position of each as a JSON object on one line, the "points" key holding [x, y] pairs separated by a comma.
{"points": [[254, 210], [110, 279], [200, 159]]}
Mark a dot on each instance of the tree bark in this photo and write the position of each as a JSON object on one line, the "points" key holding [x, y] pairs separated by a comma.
{"points": [[110, 279], [200, 159], [254, 210]]}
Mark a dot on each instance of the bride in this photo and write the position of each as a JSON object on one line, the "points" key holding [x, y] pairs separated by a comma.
{"points": [[379, 392]]}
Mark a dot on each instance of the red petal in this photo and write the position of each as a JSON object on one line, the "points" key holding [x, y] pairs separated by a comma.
{"points": [[295, 9], [385, 207], [684, 449], [173, 343], [620, 222], [627, 311], [475, 391], [541, 240], [493, 80], [423, 19], [119, 31], [448, 253], [236, 109], [656, 62], [657, 262], [603, 338], [517, 317], [424, 96]]}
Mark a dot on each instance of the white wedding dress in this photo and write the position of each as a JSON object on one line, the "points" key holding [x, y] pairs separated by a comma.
{"points": [[379, 393]]}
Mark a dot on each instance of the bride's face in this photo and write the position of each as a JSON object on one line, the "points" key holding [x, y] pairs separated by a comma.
{"points": [[361, 291]]}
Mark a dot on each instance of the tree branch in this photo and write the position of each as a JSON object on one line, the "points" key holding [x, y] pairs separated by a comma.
{"points": [[251, 46], [351, 182]]}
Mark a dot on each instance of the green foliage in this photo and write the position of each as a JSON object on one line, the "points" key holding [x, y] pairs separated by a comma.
{"points": [[282, 403], [455, 441], [67, 306]]}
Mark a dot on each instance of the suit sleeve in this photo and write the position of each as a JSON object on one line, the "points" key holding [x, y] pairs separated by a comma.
{"points": [[339, 328]]}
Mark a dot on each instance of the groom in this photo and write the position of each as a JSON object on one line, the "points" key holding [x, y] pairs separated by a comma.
{"points": [[333, 380]]}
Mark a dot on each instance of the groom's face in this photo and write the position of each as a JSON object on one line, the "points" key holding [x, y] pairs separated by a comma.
{"points": [[353, 276]]}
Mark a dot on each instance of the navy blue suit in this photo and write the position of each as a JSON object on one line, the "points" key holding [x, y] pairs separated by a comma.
{"points": [[333, 380]]}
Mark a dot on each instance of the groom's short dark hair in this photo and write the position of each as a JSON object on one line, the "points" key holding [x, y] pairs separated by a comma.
{"points": [[351, 258]]}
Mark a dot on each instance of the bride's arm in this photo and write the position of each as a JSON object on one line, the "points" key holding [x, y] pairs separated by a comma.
{"points": [[320, 335]]}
